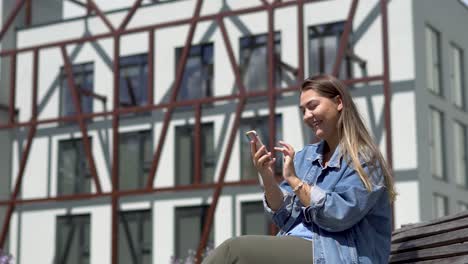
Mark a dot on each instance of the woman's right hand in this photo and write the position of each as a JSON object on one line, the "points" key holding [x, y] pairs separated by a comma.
{"points": [[262, 160]]}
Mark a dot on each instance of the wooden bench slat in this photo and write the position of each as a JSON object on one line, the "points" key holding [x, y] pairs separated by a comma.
{"points": [[430, 230], [442, 239], [444, 219], [430, 253], [452, 260]]}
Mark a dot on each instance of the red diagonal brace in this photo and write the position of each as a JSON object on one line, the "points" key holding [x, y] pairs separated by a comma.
{"points": [[344, 39], [130, 15], [18, 183], [175, 92], [210, 214], [101, 15], [81, 122]]}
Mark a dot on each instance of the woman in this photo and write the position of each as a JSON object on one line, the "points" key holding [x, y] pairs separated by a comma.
{"points": [[334, 205]]}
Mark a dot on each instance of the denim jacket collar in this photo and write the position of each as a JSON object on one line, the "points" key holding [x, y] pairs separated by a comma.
{"points": [[335, 160]]}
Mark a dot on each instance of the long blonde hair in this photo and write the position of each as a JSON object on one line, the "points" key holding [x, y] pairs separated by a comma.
{"points": [[356, 143]]}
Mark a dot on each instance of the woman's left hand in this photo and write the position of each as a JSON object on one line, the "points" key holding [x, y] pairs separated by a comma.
{"points": [[288, 160]]}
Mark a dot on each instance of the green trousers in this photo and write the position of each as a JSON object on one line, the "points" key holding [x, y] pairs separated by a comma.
{"points": [[261, 249]]}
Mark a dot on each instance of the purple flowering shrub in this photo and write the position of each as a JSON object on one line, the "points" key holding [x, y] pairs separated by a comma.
{"points": [[5, 258]]}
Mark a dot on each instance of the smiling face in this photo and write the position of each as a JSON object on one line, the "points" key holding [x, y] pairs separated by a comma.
{"points": [[321, 113]]}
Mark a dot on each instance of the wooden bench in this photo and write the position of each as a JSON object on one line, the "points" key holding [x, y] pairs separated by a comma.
{"points": [[443, 240]]}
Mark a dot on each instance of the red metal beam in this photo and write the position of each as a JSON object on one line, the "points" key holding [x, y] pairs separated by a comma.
{"points": [[140, 109], [175, 92], [115, 153], [130, 15], [18, 183], [28, 15], [344, 39], [88, 196], [81, 122], [11, 18], [106, 21], [11, 119]]}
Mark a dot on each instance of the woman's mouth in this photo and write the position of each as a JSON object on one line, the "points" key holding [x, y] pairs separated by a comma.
{"points": [[315, 124]]}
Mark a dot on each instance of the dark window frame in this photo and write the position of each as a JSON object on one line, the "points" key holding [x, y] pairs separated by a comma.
{"points": [[144, 165], [142, 247], [252, 42], [140, 61], [83, 173], [245, 205], [200, 51], [188, 211], [85, 69], [206, 159], [84, 246], [326, 30]]}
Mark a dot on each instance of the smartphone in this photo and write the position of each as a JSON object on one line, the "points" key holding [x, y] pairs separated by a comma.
{"points": [[252, 135]]}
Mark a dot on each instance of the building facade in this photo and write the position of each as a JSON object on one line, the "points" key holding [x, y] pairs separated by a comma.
{"points": [[127, 140]]}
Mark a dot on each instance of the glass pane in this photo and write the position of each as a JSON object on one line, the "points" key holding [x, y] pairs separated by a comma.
{"points": [[72, 245], [67, 167], [198, 72], [184, 154], [208, 155], [129, 164], [460, 154], [432, 55], [457, 76], [437, 151], [135, 237], [83, 78], [255, 69], [440, 206], [254, 220]]}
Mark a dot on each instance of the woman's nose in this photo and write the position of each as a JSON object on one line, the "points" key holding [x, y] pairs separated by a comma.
{"points": [[308, 114]]}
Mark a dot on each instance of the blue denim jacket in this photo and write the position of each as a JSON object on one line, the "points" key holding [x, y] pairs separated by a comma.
{"points": [[346, 222]]}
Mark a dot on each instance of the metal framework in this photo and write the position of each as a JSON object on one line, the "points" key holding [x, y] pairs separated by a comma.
{"points": [[241, 96]]}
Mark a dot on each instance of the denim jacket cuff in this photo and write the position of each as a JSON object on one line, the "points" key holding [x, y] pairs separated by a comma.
{"points": [[317, 196]]}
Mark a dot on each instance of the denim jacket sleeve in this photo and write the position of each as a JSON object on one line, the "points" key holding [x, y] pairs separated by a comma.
{"points": [[281, 216], [346, 205]]}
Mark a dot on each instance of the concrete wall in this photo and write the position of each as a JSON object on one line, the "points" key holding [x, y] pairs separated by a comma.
{"points": [[450, 19]]}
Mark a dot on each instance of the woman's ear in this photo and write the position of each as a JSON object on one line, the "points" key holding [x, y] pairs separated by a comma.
{"points": [[339, 103]]}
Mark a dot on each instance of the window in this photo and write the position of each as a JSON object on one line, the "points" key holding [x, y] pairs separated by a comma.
{"points": [[456, 76], [460, 154], [254, 219], [185, 154], [73, 169], [462, 206], [135, 155], [437, 152], [134, 80], [260, 124], [254, 61], [72, 239], [197, 81], [324, 42], [433, 64], [83, 75], [135, 237], [189, 229], [440, 205]]}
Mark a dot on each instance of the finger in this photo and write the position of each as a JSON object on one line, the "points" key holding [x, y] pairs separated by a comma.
{"points": [[286, 145], [260, 152], [253, 147], [264, 159]]}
